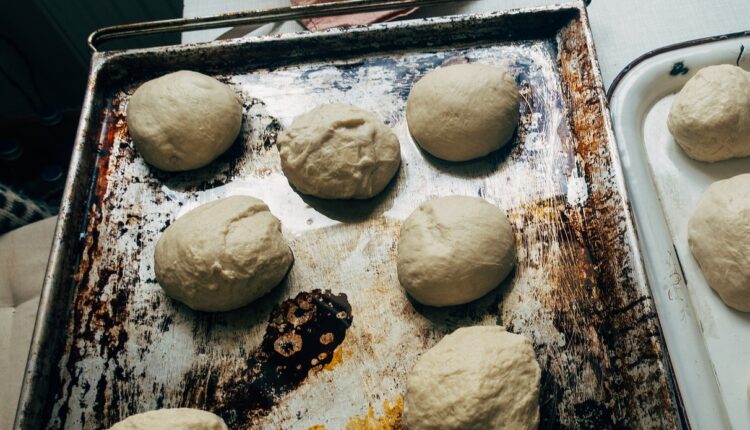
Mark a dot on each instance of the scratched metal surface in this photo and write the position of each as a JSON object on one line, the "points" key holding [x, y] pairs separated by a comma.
{"points": [[331, 346]]}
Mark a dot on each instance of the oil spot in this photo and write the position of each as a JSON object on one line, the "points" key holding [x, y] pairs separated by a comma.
{"points": [[317, 427], [290, 349], [391, 419]]}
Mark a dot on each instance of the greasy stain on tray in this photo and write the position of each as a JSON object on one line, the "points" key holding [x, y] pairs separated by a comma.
{"points": [[301, 336], [390, 419]]}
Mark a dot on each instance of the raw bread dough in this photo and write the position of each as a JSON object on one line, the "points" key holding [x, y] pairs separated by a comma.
{"points": [[463, 111], [172, 419], [719, 237], [183, 120], [710, 117], [222, 255], [476, 378], [339, 151], [454, 249]]}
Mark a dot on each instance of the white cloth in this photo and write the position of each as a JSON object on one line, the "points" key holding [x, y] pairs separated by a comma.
{"points": [[23, 260], [622, 30]]}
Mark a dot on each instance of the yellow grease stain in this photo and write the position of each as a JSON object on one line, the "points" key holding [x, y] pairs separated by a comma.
{"points": [[338, 358], [317, 427], [390, 420]]}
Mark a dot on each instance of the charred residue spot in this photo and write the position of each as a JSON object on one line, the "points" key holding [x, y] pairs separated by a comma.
{"points": [[549, 396], [302, 335], [270, 133], [679, 68], [607, 317], [288, 344], [594, 415], [100, 303]]}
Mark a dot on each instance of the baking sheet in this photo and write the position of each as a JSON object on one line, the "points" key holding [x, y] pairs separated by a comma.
{"points": [[578, 291], [709, 342]]}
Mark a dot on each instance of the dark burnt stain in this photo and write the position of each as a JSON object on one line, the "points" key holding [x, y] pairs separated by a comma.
{"points": [[583, 309], [595, 415], [610, 318], [167, 223], [301, 336], [570, 302], [270, 133], [550, 393], [679, 68], [98, 321]]}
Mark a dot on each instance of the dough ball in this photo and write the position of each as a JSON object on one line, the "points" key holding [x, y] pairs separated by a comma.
{"points": [[710, 117], [463, 111], [222, 255], [476, 378], [719, 237], [453, 250], [338, 151], [183, 120], [172, 419]]}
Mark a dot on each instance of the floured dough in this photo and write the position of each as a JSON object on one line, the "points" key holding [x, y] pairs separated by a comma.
{"points": [[453, 250], [710, 117], [183, 120], [339, 151], [172, 419], [463, 111], [476, 378], [222, 255], [719, 237]]}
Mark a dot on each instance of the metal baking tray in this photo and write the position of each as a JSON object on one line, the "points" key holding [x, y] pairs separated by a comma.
{"points": [[108, 343], [709, 342]]}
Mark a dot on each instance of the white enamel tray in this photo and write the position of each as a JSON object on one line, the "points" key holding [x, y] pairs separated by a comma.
{"points": [[708, 342]]}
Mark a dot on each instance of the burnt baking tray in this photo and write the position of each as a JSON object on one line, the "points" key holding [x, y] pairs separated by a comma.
{"points": [[108, 342]]}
